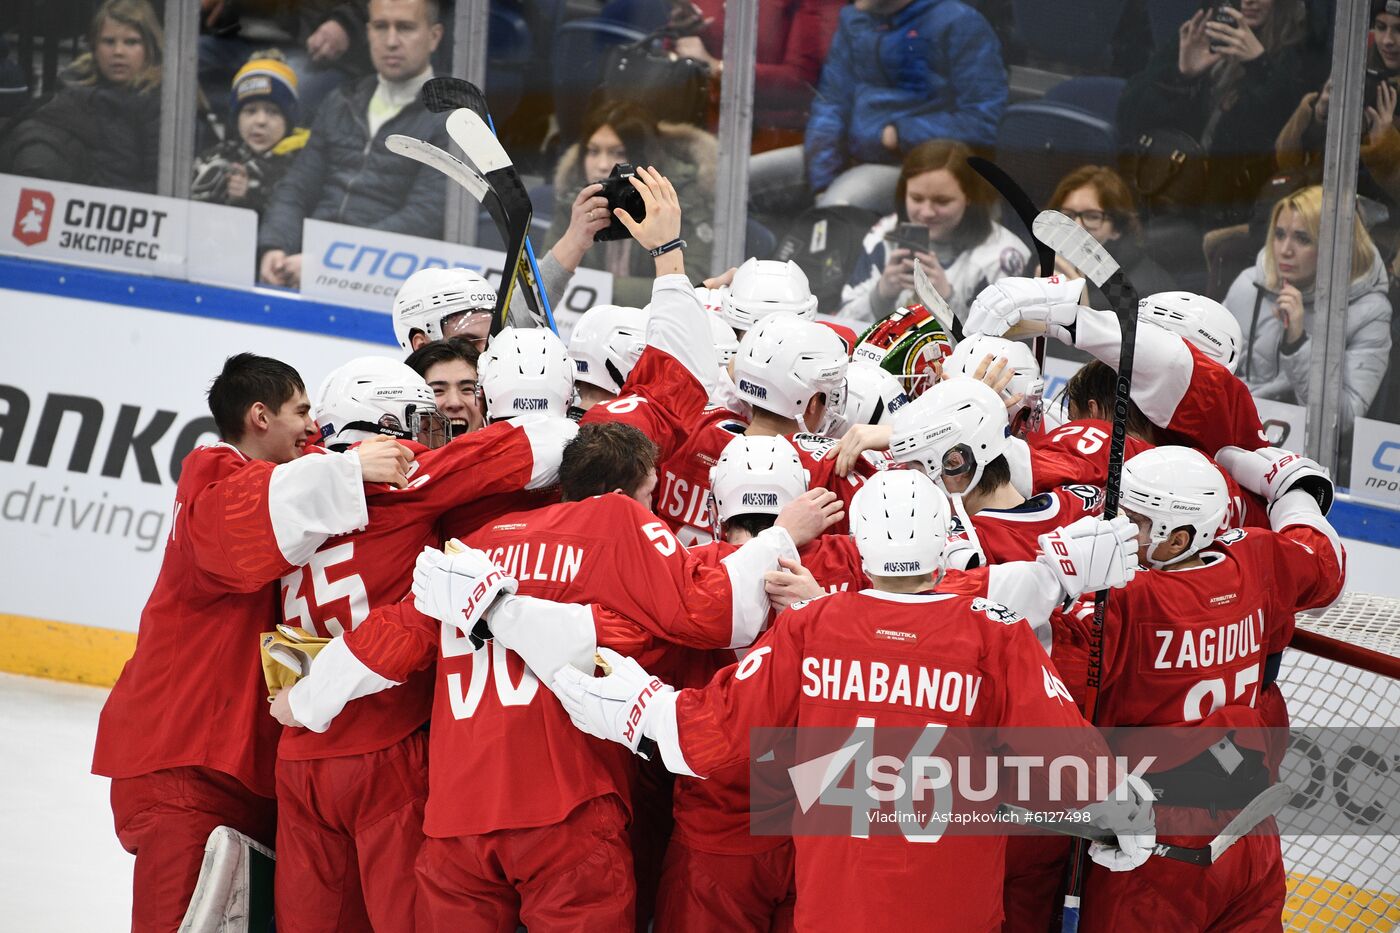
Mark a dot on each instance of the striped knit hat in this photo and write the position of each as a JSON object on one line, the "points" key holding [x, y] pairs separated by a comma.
{"points": [[266, 76]]}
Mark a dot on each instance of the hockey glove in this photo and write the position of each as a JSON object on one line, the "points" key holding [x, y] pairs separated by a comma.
{"points": [[1272, 471], [459, 588], [1091, 554], [1018, 307], [618, 706], [287, 655], [1127, 813]]}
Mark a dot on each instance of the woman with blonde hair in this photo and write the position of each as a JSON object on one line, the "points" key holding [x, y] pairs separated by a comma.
{"points": [[102, 127], [1275, 304]]}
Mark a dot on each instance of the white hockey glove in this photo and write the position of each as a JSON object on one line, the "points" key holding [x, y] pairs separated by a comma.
{"points": [[1127, 813], [618, 706], [1272, 471], [1091, 554], [459, 588], [1017, 307]]}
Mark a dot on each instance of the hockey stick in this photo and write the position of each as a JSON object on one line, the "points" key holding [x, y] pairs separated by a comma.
{"points": [[936, 304], [1026, 211], [449, 93], [1267, 804], [1065, 236]]}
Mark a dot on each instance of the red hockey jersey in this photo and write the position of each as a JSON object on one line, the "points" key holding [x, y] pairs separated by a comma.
{"points": [[348, 576], [811, 670], [193, 693], [683, 487], [504, 754]]}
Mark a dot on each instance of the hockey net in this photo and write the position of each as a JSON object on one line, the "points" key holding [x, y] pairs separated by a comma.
{"points": [[1347, 680]]}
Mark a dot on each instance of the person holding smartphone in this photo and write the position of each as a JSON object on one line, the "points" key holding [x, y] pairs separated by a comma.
{"points": [[946, 219], [1229, 82]]}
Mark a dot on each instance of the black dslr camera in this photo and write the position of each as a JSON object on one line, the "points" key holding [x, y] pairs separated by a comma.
{"points": [[617, 188]]}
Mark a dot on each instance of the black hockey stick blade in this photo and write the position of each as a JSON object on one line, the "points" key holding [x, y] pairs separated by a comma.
{"points": [[1021, 204], [446, 93], [1267, 804]]}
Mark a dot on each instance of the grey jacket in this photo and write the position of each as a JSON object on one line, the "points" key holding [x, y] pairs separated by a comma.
{"points": [[1272, 374], [346, 177]]}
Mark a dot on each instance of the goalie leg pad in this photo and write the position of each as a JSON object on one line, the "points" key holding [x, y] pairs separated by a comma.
{"points": [[234, 890]]}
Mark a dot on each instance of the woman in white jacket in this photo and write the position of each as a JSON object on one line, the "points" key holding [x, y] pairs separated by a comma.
{"points": [[1274, 303], [966, 248]]}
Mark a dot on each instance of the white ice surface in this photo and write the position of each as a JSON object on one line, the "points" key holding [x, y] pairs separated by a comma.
{"points": [[61, 867]]}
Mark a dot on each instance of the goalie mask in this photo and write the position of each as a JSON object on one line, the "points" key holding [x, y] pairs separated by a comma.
{"points": [[374, 395], [909, 344], [754, 475], [606, 343], [526, 371], [766, 286], [955, 428], [784, 361], [899, 520], [1204, 323], [1026, 381], [442, 303], [1175, 487], [872, 397]]}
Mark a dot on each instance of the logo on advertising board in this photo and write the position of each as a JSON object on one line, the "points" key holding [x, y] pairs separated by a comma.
{"points": [[33, 214], [1375, 461]]}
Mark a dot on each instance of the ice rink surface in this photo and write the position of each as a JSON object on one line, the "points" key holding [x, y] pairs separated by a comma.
{"points": [[61, 867]]}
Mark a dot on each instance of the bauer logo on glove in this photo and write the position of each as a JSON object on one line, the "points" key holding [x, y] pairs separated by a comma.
{"points": [[287, 655]]}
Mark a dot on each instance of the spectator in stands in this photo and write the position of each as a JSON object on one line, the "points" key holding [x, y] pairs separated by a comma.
{"points": [[449, 368], [1275, 305], [623, 132], [263, 113], [1097, 198], [899, 73], [1302, 141], [939, 191], [1229, 87], [345, 174], [102, 127], [793, 37]]}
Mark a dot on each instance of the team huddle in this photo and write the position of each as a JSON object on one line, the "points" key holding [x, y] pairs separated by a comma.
{"points": [[540, 637]]}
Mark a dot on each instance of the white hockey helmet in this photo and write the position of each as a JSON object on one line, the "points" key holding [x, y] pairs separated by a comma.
{"points": [[872, 397], [754, 475], [1026, 380], [764, 286], [899, 520], [726, 341], [524, 371], [957, 427], [436, 300], [606, 343], [1203, 322], [1174, 487], [375, 395], [784, 360]]}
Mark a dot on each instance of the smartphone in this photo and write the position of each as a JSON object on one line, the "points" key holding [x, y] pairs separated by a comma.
{"points": [[1216, 7], [909, 236], [1373, 85]]}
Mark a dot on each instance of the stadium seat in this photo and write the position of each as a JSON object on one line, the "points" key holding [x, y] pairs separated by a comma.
{"points": [[510, 55], [1039, 142], [1077, 34], [579, 49], [1097, 95]]}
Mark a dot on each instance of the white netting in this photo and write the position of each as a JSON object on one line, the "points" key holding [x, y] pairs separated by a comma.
{"points": [[1338, 881]]}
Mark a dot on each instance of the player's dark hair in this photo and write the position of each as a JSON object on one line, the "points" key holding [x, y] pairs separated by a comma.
{"points": [[752, 522], [995, 474], [443, 351], [1096, 381], [604, 457], [248, 378]]}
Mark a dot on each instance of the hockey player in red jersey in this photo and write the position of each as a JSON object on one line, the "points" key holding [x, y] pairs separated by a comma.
{"points": [[1195, 641], [537, 832], [350, 800], [876, 882], [185, 735]]}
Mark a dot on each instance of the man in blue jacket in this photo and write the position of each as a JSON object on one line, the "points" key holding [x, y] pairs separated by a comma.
{"points": [[345, 174], [899, 72]]}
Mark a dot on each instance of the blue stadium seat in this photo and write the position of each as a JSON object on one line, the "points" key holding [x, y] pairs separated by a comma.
{"points": [[1039, 142], [1077, 34], [580, 47], [510, 55], [1097, 95]]}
